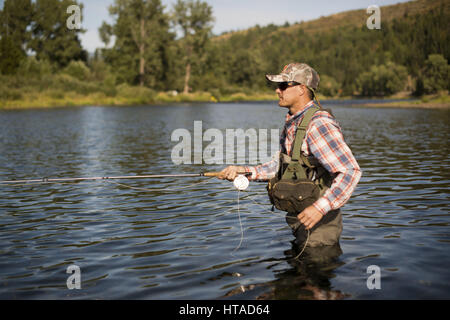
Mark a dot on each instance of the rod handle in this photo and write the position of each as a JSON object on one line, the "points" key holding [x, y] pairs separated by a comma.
{"points": [[211, 174], [215, 174]]}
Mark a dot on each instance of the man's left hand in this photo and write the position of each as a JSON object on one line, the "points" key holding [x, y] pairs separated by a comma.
{"points": [[309, 217]]}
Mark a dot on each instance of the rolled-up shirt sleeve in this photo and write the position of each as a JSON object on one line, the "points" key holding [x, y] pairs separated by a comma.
{"points": [[326, 143], [265, 171]]}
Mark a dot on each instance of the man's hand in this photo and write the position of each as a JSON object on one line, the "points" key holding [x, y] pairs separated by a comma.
{"points": [[309, 217], [230, 172]]}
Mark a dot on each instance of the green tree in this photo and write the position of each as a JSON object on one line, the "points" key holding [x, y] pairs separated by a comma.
{"points": [[195, 20], [436, 74], [142, 37], [105, 32], [52, 40], [243, 68], [382, 80], [11, 55], [15, 17]]}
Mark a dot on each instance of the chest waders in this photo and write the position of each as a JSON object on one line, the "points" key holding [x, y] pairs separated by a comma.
{"points": [[300, 181]]}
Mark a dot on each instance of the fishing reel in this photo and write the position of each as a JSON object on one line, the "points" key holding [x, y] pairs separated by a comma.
{"points": [[241, 182]]}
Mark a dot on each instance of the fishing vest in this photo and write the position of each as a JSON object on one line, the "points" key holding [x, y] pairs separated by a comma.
{"points": [[301, 179]]}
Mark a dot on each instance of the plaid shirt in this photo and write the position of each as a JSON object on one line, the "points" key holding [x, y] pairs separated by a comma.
{"points": [[324, 140]]}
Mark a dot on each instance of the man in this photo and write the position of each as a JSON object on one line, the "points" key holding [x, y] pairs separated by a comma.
{"points": [[321, 222]]}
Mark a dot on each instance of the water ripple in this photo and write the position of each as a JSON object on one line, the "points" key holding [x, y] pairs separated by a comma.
{"points": [[172, 238]]}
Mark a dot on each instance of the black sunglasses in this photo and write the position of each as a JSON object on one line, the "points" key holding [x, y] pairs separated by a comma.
{"points": [[284, 85]]}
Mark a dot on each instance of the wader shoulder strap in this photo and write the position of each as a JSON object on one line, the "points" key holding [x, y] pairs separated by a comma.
{"points": [[295, 167], [301, 132]]}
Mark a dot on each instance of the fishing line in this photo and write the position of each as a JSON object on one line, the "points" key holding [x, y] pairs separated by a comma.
{"points": [[240, 224], [304, 247], [287, 217], [156, 189], [105, 180], [46, 182]]}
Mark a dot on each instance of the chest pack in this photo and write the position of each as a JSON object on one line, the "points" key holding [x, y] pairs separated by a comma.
{"points": [[300, 180]]}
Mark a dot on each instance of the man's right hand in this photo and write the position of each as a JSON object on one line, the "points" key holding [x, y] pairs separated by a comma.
{"points": [[230, 172]]}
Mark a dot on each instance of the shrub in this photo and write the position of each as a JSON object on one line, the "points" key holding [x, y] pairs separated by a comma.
{"points": [[215, 93], [31, 67], [136, 95], [68, 83], [164, 97], [99, 70], [328, 86], [230, 89], [77, 70], [238, 97], [436, 74], [10, 94], [56, 94], [382, 80], [109, 85], [198, 96]]}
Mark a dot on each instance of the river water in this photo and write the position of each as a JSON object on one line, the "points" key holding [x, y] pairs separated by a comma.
{"points": [[190, 238]]}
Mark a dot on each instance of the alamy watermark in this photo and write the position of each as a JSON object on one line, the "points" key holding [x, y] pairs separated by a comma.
{"points": [[250, 146], [374, 21], [74, 280], [374, 280], [73, 22]]}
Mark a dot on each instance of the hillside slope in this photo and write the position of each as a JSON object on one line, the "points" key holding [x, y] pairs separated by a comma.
{"points": [[355, 18]]}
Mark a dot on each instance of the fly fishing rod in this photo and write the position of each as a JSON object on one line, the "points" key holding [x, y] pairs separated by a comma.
{"points": [[45, 179]]}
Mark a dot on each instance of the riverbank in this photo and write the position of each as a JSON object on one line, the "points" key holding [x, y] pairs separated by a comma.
{"points": [[440, 101], [124, 95]]}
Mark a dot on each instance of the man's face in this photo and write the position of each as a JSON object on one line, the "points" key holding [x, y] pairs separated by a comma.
{"points": [[290, 96]]}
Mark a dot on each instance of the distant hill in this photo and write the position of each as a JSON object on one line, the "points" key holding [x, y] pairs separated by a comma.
{"points": [[340, 47], [355, 18]]}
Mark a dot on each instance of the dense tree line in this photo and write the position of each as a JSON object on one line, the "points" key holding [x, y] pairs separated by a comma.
{"points": [[38, 27], [164, 49]]}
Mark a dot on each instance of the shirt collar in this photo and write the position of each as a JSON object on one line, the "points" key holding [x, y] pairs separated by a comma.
{"points": [[290, 117]]}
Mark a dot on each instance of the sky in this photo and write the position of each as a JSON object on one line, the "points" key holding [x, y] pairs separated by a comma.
{"points": [[231, 15]]}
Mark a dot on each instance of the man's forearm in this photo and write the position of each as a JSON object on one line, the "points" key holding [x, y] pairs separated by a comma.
{"points": [[263, 171]]}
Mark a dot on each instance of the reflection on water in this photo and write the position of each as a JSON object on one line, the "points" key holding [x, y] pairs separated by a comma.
{"points": [[308, 277], [177, 238]]}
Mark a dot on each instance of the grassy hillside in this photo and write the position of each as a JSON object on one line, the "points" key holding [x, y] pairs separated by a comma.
{"points": [[354, 18], [341, 48]]}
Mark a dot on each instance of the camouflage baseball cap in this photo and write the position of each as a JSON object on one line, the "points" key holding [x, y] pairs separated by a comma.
{"points": [[298, 72]]}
